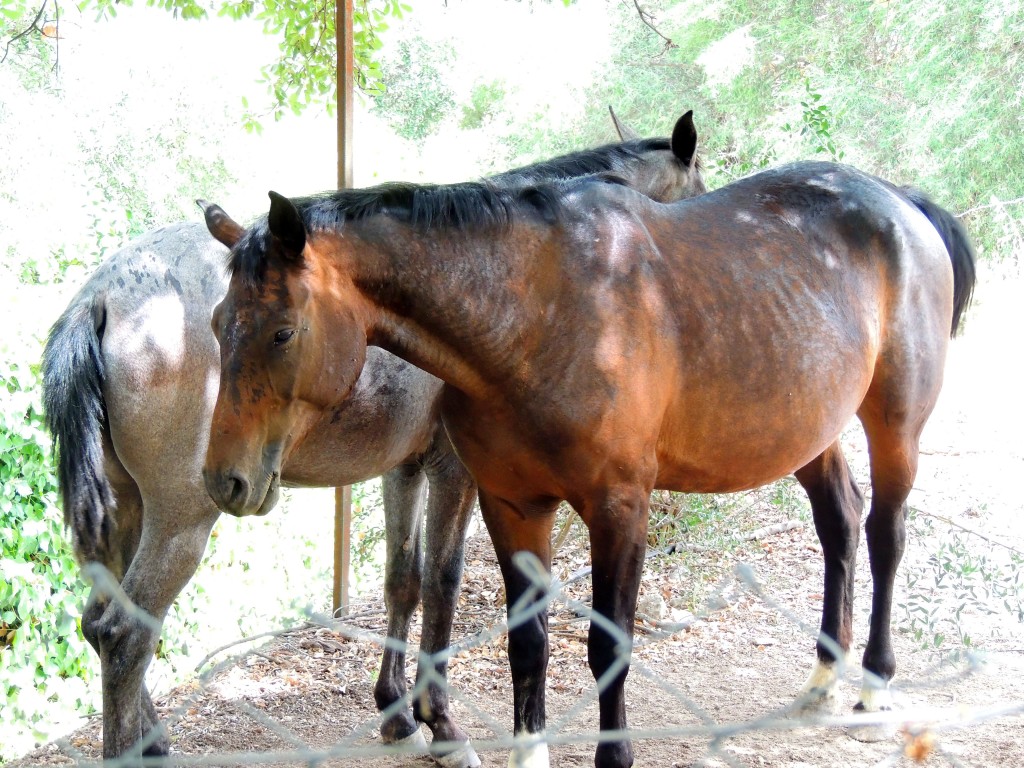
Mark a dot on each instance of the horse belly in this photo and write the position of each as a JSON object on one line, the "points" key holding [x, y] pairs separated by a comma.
{"points": [[743, 463], [747, 432]]}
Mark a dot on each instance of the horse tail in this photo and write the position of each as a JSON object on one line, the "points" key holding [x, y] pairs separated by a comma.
{"points": [[73, 372], [958, 245]]}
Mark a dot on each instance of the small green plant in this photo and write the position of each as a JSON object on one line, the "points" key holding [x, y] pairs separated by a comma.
{"points": [[965, 577], [789, 496], [676, 517], [817, 123]]}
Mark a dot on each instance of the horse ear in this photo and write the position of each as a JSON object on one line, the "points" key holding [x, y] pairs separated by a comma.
{"points": [[625, 132], [286, 225], [684, 139], [221, 226]]}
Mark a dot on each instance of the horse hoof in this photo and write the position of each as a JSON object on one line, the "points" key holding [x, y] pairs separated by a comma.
{"points": [[160, 745], [533, 756], [818, 702], [414, 742], [463, 757], [871, 734], [161, 748], [874, 701]]}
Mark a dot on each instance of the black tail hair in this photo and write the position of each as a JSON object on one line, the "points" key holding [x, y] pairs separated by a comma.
{"points": [[958, 244], [75, 415]]}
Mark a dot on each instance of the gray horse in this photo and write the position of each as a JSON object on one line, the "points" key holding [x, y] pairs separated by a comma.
{"points": [[130, 377]]}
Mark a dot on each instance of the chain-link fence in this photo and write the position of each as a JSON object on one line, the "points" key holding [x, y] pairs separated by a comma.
{"points": [[717, 686]]}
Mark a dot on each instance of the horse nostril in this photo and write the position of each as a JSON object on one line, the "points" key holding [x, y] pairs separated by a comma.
{"points": [[237, 490], [229, 490]]}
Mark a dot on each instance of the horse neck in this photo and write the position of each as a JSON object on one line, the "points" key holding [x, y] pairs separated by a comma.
{"points": [[453, 303]]}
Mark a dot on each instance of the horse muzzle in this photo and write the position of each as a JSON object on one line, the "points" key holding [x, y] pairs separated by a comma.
{"points": [[233, 492]]}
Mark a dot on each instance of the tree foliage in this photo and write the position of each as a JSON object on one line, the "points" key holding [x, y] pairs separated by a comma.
{"points": [[415, 99], [302, 76], [26, 31], [306, 71], [878, 85]]}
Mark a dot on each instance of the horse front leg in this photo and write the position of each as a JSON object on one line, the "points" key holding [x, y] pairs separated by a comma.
{"points": [[836, 504], [618, 541], [402, 488], [524, 529], [450, 508], [124, 625]]}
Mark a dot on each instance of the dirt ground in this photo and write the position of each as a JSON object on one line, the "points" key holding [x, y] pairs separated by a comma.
{"points": [[726, 675]]}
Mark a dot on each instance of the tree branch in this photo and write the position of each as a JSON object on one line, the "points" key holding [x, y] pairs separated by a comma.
{"points": [[966, 529], [25, 31], [56, 37], [998, 204], [647, 19]]}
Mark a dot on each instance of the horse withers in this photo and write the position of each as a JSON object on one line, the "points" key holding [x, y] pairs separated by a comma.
{"points": [[596, 345], [130, 380]]}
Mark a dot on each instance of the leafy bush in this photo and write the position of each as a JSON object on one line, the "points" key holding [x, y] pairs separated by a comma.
{"points": [[368, 552], [41, 643]]}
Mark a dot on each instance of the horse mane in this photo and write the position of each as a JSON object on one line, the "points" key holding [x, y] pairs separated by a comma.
{"points": [[604, 159], [460, 206], [424, 206], [487, 202]]}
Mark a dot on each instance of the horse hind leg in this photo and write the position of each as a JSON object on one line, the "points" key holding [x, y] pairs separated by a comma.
{"points": [[894, 457], [893, 426], [905, 385], [138, 711], [449, 510], [402, 488], [836, 505], [125, 629], [135, 707]]}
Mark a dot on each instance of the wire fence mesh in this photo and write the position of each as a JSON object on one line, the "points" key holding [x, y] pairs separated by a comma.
{"points": [[717, 686]]}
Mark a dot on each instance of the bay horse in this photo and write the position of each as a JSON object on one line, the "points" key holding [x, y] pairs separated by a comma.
{"points": [[129, 384], [596, 345]]}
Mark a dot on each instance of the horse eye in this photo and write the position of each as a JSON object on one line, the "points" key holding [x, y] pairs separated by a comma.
{"points": [[282, 337]]}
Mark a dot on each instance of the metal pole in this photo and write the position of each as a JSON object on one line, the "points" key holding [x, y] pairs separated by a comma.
{"points": [[342, 547], [346, 102], [343, 496]]}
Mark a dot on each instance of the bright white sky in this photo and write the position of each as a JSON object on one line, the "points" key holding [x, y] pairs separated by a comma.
{"points": [[542, 53]]}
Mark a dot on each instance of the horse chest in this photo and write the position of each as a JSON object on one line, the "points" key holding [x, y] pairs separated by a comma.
{"points": [[523, 452]]}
